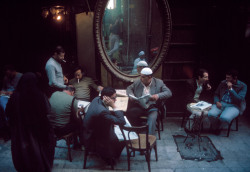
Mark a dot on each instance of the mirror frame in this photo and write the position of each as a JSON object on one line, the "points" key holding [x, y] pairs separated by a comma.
{"points": [[166, 35]]}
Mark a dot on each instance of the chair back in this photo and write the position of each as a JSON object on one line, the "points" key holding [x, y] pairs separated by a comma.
{"points": [[139, 143]]}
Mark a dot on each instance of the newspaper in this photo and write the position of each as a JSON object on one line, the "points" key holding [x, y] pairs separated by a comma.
{"points": [[83, 104], [143, 100], [118, 131], [201, 105]]}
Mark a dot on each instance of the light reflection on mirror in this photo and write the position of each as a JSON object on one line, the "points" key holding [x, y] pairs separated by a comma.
{"points": [[132, 32]]}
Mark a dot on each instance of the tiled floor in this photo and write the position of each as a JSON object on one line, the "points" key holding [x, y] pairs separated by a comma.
{"points": [[234, 149]]}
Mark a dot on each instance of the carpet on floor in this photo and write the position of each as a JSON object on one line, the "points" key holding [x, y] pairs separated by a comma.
{"points": [[189, 149]]}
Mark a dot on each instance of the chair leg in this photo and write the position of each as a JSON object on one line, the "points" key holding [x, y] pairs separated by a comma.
{"points": [[68, 141], [158, 127], [148, 153], [156, 155], [161, 120], [237, 123], [183, 119], [230, 125], [85, 158]]}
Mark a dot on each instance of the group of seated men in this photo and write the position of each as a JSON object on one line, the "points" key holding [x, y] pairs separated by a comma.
{"points": [[228, 100], [96, 132]]}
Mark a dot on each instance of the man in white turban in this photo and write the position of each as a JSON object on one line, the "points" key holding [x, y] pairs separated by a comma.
{"points": [[154, 92], [137, 60]]}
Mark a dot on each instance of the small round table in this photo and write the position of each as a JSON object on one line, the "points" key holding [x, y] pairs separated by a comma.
{"points": [[194, 123]]}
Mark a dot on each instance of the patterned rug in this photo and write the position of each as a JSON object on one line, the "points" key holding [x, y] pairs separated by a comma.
{"points": [[190, 150]]}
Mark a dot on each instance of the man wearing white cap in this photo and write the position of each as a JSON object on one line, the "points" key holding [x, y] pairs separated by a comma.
{"points": [[140, 66], [137, 60], [158, 92]]}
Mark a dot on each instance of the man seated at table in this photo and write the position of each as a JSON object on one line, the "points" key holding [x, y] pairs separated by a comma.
{"points": [[198, 89], [83, 84], [63, 115], [147, 84], [229, 101], [99, 135], [10, 82]]}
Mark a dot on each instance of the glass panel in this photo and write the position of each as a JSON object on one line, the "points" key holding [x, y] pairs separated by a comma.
{"points": [[131, 32]]}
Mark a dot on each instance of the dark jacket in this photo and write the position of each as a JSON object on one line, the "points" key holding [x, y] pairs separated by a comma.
{"points": [[237, 94], [191, 87], [99, 135]]}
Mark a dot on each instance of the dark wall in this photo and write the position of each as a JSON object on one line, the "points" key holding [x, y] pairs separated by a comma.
{"points": [[28, 39]]}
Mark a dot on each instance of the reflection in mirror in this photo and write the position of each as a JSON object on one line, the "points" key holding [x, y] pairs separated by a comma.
{"points": [[131, 32]]}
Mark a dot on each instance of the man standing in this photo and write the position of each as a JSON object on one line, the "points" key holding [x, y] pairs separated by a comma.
{"points": [[83, 84], [54, 71], [63, 108], [158, 92], [99, 135], [229, 101], [114, 38]]}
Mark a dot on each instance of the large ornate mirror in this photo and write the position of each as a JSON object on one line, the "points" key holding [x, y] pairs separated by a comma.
{"points": [[129, 31]]}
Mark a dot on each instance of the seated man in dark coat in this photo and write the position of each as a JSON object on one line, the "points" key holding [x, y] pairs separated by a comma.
{"points": [[198, 88], [99, 135]]}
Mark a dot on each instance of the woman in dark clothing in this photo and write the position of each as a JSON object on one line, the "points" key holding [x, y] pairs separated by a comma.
{"points": [[32, 137]]}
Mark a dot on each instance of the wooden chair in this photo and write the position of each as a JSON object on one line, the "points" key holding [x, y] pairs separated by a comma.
{"points": [[69, 140], [143, 144], [162, 113], [236, 125]]}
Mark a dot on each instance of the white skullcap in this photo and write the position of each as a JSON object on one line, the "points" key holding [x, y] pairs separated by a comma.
{"points": [[141, 53], [146, 71], [142, 63]]}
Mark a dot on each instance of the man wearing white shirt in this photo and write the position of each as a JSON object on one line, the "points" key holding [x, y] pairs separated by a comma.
{"points": [[158, 92], [54, 71]]}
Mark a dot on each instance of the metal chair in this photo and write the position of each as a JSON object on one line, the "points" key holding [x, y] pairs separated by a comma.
{"points": [[236, 125], [144, 144]]}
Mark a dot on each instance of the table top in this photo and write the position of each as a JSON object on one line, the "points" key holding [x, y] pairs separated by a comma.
{"points": [[121, 103]]}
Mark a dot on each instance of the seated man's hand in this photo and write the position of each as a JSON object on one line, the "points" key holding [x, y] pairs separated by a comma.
{"points": [[219, 105], [80, 112], [209, 87], [99, 88], [66, 81], [109, 102], [154, 97]]}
